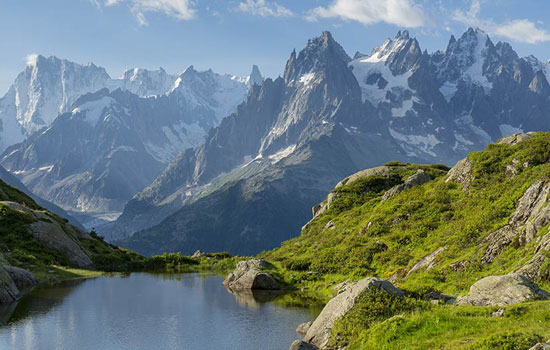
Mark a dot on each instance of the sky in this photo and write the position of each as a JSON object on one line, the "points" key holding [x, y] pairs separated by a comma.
{"points": [[229, 36]]}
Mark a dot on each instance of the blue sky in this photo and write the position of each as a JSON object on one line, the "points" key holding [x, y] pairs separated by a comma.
{"points": [[231, 35]]}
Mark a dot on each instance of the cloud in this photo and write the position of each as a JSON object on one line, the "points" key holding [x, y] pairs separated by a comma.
{"points": [[179, 9], [264, 8], [521, 30], [31, 58], [403, 13]]}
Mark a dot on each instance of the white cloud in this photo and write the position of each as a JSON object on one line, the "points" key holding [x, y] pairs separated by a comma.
{"points": [[180, 9], [403, 13], [264, 8], [521, 30], [31, 58]]}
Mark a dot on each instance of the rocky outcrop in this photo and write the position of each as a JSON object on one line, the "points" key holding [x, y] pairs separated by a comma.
{"points": [[302, 345], [383, 171], [502, 290], [427, 262], [14, 282], [531, 214], [319, 332], [417, 179], [248, 275], [303, 328], [516, 138], [461, 173], [49, 232]]}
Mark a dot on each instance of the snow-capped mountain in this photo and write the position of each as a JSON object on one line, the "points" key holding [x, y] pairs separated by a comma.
{"points": [[49, 86], [328, 117], [108, 145]]}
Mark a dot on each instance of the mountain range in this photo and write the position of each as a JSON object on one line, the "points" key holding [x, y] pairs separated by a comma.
{"points": [[246, 180], [108, 144]]}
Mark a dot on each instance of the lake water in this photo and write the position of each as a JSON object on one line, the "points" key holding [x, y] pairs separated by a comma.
{"points": [[148, 311]]}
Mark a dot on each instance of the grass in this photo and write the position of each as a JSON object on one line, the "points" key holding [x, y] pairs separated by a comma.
{"points": [[371, 237]]}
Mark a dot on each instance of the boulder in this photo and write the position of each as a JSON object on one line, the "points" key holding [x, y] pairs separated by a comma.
{"points": [[319, 332], [541, 346], [383, 171], [502, 290], [427, 262], [303, 328], [49, 232], [14, 282], [302, 345], [417, 179], [23, 279], [248, 275], [461, 173]]}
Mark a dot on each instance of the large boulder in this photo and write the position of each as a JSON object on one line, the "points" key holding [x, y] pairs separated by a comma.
{"points": [[541, 346], [319, 332], [502, 290], [14, 282], [51, 233], [248, 275]]}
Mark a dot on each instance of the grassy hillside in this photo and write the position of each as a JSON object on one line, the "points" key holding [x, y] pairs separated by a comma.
{"points": [[48, 255], [456, 218]]}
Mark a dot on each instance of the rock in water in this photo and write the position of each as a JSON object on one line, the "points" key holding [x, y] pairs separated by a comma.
{"points": [[248, 275], [302, 345], [502, 290], [319, 332]]}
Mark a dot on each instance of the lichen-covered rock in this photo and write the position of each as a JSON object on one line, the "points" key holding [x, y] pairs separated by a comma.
{"points": [[502, 290], [248, 275], [302, 345], [530, 215], [461, 173], [417, 179], [320, 330]]}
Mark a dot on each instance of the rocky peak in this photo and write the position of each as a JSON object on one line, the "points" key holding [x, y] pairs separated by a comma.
{"points": [[320, 53], [255, 77], [399, 54]]}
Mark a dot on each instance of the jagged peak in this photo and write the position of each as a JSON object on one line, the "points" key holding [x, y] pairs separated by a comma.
{"points": [[391, 47], [318, 52], [255, 76]]}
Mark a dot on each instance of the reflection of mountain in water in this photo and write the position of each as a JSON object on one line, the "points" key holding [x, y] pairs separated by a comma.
{"points": [[39, 301]]}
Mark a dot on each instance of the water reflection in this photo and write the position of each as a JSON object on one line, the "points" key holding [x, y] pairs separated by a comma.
{"points": [[149, 311]]}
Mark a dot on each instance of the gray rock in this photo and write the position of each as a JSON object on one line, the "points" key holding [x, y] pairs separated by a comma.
{"points": [[417, 179], [383, 171], [248, 275], [530, 215], [302, 345], [515, 138], [502, 290], [51, 233], [541, 346], [427, 262], [23, 279], [303, 328], [198, 254], [320, 331], [461, 173]]}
